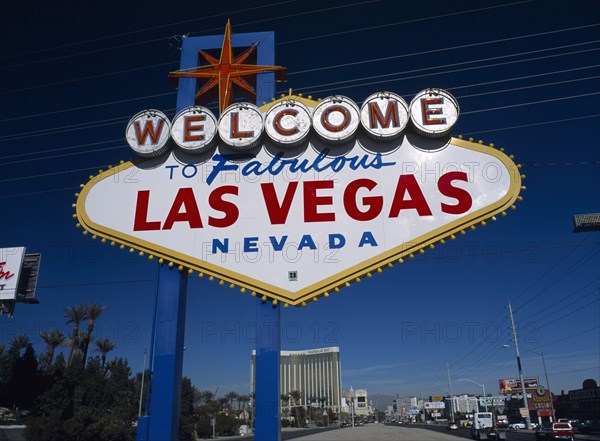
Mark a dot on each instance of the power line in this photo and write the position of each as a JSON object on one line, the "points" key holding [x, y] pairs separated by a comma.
{"points": [[432, 51], [60, 149], [152, 28], [45, 175], [421, 75], [91, 106], [416, 20], [543, 123], [591, 253], [91, 124], [531, 103], [457, 87], [43, 158], [525, 77], [154, 40], [575, 370], [568, 298], [554, 83], [529, 87], [539, 34], [90, 77], [569, 337], [32, 193], [565, 315]]}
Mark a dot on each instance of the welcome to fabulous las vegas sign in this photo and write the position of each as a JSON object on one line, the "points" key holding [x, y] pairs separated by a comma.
{"points": [[298, 198]]}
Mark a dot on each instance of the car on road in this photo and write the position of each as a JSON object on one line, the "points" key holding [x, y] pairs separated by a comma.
{"points": [[589, 426], [554, 431], [502, 424], [452, 426], [517, 426]]}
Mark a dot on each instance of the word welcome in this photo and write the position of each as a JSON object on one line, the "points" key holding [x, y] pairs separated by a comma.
{"points": [[289, 122]]}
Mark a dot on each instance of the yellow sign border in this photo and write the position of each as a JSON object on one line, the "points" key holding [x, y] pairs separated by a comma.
{"points": [[325, 286]]}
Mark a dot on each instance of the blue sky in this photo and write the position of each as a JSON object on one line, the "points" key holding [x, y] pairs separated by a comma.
{"points": [[526, 76]]}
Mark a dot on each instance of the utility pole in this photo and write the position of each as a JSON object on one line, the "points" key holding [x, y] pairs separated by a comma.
{"points": [[352, 404], [547, 382], [423, 401], [451, 395], [523, 391]]}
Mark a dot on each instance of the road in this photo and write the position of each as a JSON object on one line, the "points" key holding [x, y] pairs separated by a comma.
{"points": [[381, 432], [512, 435]]}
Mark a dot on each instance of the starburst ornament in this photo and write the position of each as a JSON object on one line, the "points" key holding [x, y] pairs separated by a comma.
{"points": [[226, 72]]}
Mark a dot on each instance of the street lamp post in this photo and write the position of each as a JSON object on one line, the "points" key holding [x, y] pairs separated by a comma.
{"points": [[547, 381], [481, 385]]}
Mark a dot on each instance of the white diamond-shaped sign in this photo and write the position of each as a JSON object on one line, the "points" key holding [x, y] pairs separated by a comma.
{"points": [[295, 223]]}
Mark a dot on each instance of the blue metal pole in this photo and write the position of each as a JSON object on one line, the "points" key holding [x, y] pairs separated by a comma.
{"points": [[268, 348], [268, 317], [168, 355]]}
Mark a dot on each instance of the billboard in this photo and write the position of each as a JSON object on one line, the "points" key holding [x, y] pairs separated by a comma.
{"points": [[298, 199], [514, 384], [435, 405], [11, 261]]}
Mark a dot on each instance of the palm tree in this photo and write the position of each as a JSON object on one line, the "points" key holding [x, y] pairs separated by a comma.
{"points": [[206, 396], [80, 346], [231, 397], [53, 339], [104, 346], [74, 314], [94, 310], [296, 396], [223, 402], [244, 400], [17, 344]]}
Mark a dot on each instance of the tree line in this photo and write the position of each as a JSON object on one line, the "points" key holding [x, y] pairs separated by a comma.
{"points": [[72, 391]]}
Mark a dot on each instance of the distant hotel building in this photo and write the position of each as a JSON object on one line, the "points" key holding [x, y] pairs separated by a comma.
{"points": [[316, 373]]}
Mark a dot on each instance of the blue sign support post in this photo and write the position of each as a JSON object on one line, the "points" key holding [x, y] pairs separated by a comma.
{"points": [[268, 350], [163, 422], [168, 355]]}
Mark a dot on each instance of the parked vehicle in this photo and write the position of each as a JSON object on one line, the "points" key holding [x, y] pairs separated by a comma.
{"points": [[452, 426], [589, 426], [484, 427], [553, 431]]}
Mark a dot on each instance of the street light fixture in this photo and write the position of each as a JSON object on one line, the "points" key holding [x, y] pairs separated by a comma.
{"points": [[586, 222], [478, 384]]}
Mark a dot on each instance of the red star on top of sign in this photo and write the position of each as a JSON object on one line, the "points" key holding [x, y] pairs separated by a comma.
{"points": [[227, 71]]}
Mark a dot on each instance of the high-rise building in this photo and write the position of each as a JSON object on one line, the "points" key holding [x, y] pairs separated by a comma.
{"points": [[316, 373]]}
